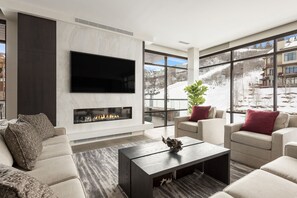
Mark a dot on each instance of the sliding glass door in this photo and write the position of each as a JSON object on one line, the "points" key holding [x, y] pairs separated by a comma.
{"points": [[165, 77]]}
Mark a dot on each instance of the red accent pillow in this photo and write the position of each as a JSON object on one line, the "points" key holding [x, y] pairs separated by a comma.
{"points": [[260, 121], [199, 113]]}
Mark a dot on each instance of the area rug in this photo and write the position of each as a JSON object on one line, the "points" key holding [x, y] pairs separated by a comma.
{"points": [[98, 170]]}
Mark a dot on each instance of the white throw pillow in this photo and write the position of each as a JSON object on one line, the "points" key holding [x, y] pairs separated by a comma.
{"points": [[212, 112], [281, 121]]}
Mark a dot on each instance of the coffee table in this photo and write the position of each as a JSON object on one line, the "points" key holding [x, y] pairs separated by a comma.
{"points": [[140, 165]]}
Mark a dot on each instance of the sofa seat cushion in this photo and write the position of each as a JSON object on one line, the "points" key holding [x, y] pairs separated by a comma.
{"points": [[284, 167], [69, 189], [221, 195], [56, 140], [55, 170], [188, 126], [259, 184], [55, 150], [252, 139]]}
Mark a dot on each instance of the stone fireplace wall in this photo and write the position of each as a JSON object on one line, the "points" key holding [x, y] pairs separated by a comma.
{"points": [[85, 39]]}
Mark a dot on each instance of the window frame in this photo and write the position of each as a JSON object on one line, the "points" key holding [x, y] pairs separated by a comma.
{"points": [[166, 99], [274, 54]]}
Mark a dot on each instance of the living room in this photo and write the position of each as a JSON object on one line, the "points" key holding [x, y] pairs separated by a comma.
{"points": [[148, 99]]}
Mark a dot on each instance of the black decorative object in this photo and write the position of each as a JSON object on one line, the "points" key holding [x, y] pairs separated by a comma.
{"points": [[174, 144]]}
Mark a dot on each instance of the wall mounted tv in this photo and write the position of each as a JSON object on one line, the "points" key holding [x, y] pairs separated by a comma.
{"points": [[101, 74]]}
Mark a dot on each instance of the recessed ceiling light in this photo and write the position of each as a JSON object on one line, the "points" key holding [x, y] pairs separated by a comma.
{"points": [[184, 42]]}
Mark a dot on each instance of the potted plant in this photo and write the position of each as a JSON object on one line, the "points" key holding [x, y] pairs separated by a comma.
{"points": [[195, 93]]}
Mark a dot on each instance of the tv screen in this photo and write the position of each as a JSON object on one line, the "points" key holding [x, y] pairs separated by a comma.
{"points": [[101, 74]]}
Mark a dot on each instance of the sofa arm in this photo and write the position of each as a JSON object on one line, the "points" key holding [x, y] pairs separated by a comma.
{"points": [[280, 138], [229, 129], [178, 120], [60, 131], [212, 130], [291, 149]]}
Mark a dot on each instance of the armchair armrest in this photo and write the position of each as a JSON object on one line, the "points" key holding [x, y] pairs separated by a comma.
{"points": [[291, 149], [212, 130], [229, 129], [178, 120], [280, 138], [60, 131]]}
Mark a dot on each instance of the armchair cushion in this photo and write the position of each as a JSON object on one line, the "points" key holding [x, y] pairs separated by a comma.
{"points": [[291, 149], [199, 113], [188, 126], [252, 139], [260, 121]]}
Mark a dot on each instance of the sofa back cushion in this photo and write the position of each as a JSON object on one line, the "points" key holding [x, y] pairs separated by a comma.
{"points": [[5, 155], [41, 123], [24, 143], [260, 121], [199, 113], [16, 183], [281, 121]]}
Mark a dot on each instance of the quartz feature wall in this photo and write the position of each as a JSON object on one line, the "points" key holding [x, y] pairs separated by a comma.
{"points": [[72, 37]]}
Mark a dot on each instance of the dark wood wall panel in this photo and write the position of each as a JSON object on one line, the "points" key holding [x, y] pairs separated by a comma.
{"points": [[37, 66]]}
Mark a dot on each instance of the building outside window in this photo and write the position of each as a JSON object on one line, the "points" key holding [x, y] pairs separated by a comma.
{"points": [[165, 77]]}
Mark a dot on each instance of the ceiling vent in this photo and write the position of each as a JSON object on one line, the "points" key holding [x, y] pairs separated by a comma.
{"points": [[105, 27], [184, 42]]}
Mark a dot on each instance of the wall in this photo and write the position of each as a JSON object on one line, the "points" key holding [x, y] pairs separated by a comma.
{"points": [[166, 50], [11, 62], [84, 39]]}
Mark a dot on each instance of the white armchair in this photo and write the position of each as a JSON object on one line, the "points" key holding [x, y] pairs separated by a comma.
{"points": [[209, 130], [255, 149]]}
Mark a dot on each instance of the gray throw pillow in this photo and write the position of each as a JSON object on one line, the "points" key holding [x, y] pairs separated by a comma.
{"points": [[17, 184], [24, 143], [41, 123]]}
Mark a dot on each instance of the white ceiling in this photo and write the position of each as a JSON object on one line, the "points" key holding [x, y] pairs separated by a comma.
{"points": [[202, 23]]}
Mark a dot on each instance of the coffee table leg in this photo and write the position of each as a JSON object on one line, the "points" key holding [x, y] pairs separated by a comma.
{"points": [[219, 168], [141, 183]]}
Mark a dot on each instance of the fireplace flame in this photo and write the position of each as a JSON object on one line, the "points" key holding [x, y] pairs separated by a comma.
{"points": [[106, 117]]}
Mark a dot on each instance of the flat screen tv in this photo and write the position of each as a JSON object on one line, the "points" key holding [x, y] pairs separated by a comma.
{"points": [[101, 74]]}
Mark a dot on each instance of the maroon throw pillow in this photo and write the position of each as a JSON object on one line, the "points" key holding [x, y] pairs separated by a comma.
{"points": [[260, 121], [199, 113]]}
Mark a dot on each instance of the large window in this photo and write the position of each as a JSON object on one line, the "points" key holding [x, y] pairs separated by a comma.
{"points": [[2, 69], [165, 78], [261, 75]]}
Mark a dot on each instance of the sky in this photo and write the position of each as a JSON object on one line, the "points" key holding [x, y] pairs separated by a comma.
{"points": [[2, 48]]}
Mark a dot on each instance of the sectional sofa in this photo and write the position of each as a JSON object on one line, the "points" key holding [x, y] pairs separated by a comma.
{"points": [[55, 165], [274, 180]]}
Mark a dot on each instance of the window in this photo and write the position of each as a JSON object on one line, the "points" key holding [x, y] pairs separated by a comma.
{"points": [[291, 69], [289, 56], [165, 77], [2, 69], [259, 75]]}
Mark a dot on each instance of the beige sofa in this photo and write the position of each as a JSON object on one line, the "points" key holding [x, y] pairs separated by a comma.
{"points": [[254, 149], [55, 166], [274, 180], [209, 130]]}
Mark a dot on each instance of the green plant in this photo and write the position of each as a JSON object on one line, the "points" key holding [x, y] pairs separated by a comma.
{"points": [[195, 93]]}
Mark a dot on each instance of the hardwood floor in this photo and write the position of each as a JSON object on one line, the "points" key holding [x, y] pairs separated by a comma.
{"points": [[155, 133]]}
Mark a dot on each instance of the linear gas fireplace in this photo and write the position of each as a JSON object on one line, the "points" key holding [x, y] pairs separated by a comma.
{"points": [[102, 114]]}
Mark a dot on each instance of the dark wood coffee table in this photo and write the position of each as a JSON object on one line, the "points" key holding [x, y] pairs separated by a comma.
{"points": [[139, 165]]}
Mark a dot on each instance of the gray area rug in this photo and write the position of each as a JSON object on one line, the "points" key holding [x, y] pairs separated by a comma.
{"points": [[98, 170]]}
